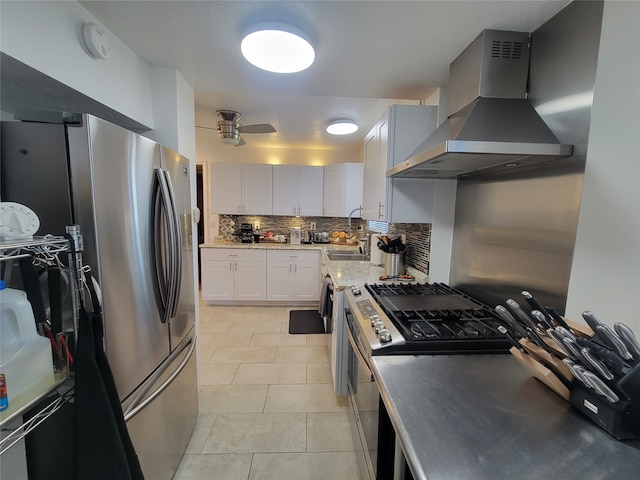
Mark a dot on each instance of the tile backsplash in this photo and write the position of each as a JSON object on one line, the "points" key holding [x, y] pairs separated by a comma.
{"points": [[281, 225], [418, 240], [418, 235]]}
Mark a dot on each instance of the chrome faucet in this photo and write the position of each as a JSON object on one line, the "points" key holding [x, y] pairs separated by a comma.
{"points": [[349, 221]]}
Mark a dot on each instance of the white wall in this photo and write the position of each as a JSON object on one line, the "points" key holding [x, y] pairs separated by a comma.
{"points": [[46, 36], [211, 149], [173, 112], [605, 274]]}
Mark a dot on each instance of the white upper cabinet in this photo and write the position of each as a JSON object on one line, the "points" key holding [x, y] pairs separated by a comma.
{"points": [[241, 188], [391, 140], [297, 190], [342, 189]]}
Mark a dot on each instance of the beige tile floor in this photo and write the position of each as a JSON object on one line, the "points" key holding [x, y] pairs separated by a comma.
{"points": [[267, 407]]}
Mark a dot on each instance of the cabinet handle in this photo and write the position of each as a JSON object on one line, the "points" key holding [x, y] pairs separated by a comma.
{"points": [[380, 208], [231, 266], [290, 268], [295, 267], [236, 264]]}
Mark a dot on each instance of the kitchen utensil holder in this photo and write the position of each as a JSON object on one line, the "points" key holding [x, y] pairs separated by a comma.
{"points": [[621, 419], [394, 264], [541, 372]]}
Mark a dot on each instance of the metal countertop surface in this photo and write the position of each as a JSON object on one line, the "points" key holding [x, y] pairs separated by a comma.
{"points": [[483, 417]]}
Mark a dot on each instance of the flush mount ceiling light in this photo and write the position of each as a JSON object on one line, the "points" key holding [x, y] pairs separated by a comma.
{"points": [[342, 127], [277, 47]]}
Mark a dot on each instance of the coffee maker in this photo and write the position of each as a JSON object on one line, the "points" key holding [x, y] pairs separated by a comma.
{"points": [[296, 235], [246, 233]]}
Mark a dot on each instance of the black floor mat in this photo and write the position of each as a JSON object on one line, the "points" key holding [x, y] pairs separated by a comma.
{"points": [[305, 322]]}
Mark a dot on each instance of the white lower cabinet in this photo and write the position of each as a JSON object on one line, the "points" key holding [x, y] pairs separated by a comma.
{"points": [[233, 275], [293, 275]]}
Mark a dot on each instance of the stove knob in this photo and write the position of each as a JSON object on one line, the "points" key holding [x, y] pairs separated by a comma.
{"points": [[378, 327], [374, 319], [355, 290], [384, 335]]}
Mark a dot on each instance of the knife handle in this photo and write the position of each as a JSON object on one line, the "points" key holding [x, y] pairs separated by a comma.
{"points": [[510, 320], [601, 388], [520, 313], [537, 306], [610, 358], [576, 353], [599, 367], [613, 341], [591, 320], [628, 338], [553, 335], [557, 318], [541, 318], [506, 333]]}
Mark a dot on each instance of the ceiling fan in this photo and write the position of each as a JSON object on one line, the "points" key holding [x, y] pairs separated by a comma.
{"points": [[229, 128]]}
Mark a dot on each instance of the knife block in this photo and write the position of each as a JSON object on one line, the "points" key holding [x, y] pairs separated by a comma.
{"points": [[621, 419], [541, 372]]}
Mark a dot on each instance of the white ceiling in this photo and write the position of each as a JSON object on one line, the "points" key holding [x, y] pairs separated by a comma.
{"points": [[369, 54]]}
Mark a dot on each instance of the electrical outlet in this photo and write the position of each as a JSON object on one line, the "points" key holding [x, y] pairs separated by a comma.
{"points": [[313, 225], [256, 225]]}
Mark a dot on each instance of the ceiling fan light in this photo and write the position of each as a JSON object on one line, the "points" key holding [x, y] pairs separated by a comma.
{"points": [[342, 127], [233, 140], [278, 48]]}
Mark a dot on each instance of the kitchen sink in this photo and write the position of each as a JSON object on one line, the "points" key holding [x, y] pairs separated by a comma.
{"points": [[346, 256]]}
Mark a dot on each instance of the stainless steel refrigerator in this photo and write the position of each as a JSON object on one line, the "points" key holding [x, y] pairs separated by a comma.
{"points": [[131, 198]]}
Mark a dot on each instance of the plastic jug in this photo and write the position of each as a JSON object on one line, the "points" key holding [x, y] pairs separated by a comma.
{"points": [[25, 356]]}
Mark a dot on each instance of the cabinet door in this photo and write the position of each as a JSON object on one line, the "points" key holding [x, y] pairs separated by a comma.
{"points": [[371, 209], [310, 190], [257, 187], [279, 281], [225, 188], [381, 182], [285, 190], [250, 280], [408, 200], [306, 285], [342, 189], [334, 188], [217, 280]]}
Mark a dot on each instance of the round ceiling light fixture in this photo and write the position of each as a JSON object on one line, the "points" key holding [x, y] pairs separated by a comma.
{"points": [[277, 47], [342, 127]]}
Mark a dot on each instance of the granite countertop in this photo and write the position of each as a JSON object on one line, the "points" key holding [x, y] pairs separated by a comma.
{"points": [[346, 274], [343, 273], [484, 417], [276, 246]]}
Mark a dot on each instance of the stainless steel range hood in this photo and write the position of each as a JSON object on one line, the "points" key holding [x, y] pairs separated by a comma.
{"points": [[492, 126]]}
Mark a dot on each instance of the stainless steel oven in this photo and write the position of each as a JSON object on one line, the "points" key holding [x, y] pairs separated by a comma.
{"points": [[363, 396], [372, 425]]}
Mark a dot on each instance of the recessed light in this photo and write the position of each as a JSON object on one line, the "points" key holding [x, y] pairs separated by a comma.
{"points": [[277, 47], [342, 127]]}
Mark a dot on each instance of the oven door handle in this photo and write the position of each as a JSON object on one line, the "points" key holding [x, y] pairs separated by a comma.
{"points": [[356, 349]]}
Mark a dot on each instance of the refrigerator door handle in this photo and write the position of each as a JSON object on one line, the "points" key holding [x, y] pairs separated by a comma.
{"points": [[162, 245], [137, 406], [176, 247]]}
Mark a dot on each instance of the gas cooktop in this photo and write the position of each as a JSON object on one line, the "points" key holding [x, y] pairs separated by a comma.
{"points": [[425, 318]]}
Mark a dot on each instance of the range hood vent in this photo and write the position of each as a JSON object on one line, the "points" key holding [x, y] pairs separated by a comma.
{"points": [[492, 125]]}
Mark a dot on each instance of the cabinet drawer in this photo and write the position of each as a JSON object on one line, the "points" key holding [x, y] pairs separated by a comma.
{"points": [[293, 255], [239, 254]]}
